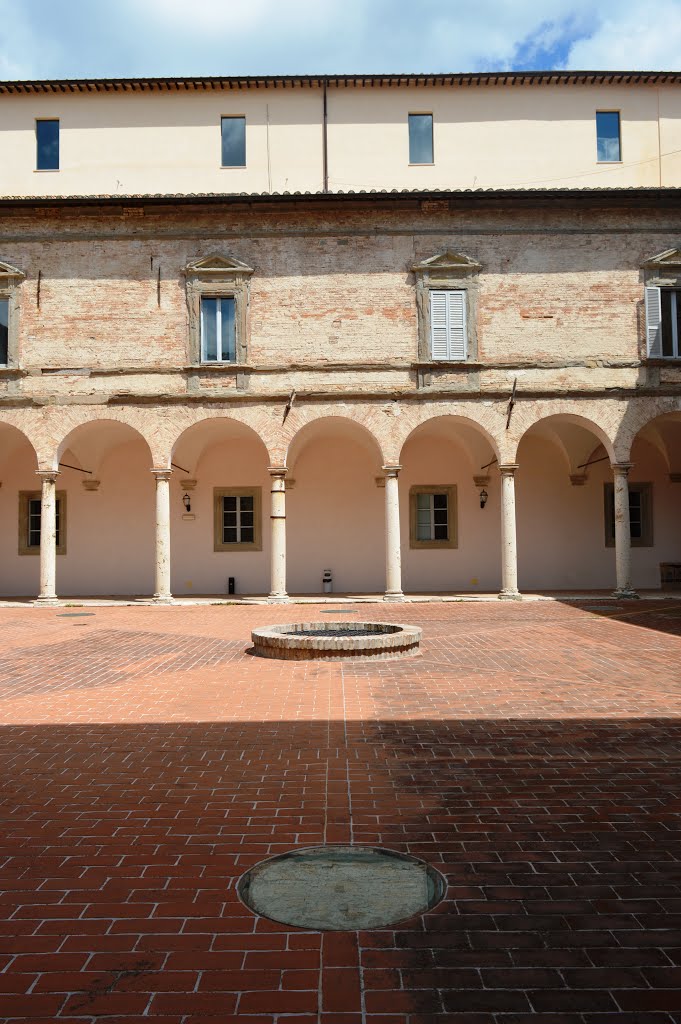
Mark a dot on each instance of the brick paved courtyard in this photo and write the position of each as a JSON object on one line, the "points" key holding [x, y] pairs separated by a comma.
{"points": [[532, 755]]}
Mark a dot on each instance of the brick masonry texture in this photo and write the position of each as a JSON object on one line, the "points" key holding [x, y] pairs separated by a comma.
{"points": [[531, 755]]}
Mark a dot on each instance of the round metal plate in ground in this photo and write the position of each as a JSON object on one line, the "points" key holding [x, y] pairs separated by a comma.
{"points": [[341, 888]]}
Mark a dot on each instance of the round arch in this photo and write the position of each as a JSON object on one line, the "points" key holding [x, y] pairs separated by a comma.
{"points": [[553, 420], [458, 425], [343, 425]]}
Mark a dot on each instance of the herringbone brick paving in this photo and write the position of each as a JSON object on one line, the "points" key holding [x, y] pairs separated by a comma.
{"points": [[532, 755]]}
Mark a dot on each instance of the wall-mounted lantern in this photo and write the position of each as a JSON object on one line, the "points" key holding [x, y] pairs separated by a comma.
{"points": [[481, 482], [186, 501]]}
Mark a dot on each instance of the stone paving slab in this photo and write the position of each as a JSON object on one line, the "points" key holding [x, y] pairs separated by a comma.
{"points": [[532, 755]]}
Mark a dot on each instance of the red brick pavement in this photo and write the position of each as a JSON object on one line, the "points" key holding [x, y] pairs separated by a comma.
{"points": [[531, 754]]}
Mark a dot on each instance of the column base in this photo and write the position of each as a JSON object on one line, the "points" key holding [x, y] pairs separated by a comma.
{"points": [[158, 599], [394, 597], [278, 599], [50, 602], [510, 595], [626, 595]]}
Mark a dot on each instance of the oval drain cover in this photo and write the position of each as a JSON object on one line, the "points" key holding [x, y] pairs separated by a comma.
{"points": [[341, 888]]}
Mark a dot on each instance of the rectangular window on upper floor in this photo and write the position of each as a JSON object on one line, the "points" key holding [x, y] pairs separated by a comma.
{"points": [[47, 145], [233, 141], [608, 145], [663, 322], [4, 331], [448, 327], [218, 329], [420, 138]]}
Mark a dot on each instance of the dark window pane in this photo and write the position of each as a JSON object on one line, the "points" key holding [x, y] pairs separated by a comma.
{"points": [[58, 520], [440, 501], [420, 138], [233, 141], [667, 328], [229, 535], [440, 531], [4, 331], [229, 503], [247, 503], [247, 535], [608, 134], [246, 519], [33, 523], [47, 140]]}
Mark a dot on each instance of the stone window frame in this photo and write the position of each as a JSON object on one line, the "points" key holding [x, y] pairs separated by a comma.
{"points": [[645, 488], [218, 276], [229, 492], [10, 291], [34, 549], [661, 271], [447, 271], [452, 516]]}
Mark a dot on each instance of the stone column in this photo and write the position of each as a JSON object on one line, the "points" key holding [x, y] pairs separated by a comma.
{"points": [[278, 593], [393, 551], [622, 530], [48, 538], [509, 553], [162, 594]]}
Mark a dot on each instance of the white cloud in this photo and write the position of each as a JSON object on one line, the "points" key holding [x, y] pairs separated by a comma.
{"points": [[73, 38], [632, 37]]}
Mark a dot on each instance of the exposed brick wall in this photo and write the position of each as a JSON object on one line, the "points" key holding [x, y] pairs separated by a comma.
{"points": [[559, 292]]}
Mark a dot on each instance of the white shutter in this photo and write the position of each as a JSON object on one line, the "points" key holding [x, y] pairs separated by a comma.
{"points": [[654, 322], [456, 302], [448, 325], [439, 340]]}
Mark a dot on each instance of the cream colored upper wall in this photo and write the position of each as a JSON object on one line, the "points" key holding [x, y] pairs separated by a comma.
{"points": [[163, 142], [515, 137]]}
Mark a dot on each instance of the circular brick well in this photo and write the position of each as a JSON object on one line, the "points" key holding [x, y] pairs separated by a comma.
{"points": [[304, 641]]}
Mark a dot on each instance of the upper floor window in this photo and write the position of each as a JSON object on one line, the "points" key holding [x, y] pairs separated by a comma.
{"points": [[47, 145], [420, 138], [609, 148], [218, 329], [10, 286], [663, 322], [233, 141], [446, 298], [4, 331], [448, 325], [217, 299]]}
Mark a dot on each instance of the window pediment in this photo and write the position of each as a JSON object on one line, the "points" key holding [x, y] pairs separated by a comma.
{"points": [[217, 265], [10, 274], [670, 258], [447, 264]]}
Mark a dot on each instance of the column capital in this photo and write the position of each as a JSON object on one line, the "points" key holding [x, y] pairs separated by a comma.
{"points": [[48, 474], [508, 469], [391, 468], [277, 470], [162, 474], [621, 468]]}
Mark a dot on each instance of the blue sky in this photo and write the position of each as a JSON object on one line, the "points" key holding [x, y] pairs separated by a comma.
{"points": [[91, 38]]}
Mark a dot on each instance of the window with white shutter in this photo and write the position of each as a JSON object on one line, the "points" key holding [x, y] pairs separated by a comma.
{"points": [[663, 322], [448, 325]]}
